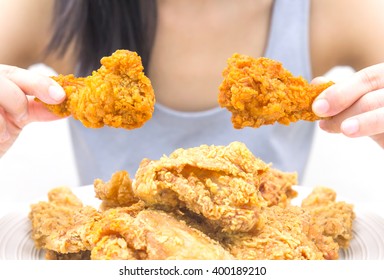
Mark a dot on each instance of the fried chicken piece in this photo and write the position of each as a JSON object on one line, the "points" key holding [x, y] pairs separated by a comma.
{"points": [[65, 229], [332, 218], [118, 94], [116, 192], [218, 182], [151, 235], [285, 236], [317, 230], [68, 230], [276, 187], [112, 247], [63, 196], [58, 225], [260, 92]]}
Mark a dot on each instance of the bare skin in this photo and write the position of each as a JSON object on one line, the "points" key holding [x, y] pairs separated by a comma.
{"points": [[186, 66]]}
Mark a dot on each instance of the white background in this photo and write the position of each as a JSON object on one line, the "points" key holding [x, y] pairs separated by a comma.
{"points": [[42, 159]]}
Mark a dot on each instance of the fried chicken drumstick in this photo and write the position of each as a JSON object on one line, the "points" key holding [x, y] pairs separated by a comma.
{"points": [[260, 92], [118, 94]]}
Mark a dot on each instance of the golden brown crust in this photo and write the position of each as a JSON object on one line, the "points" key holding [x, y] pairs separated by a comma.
{"points": [[285, 236], [332, 218], [218, 182], [116, 192], [276, 187], [259, 91], [207, 202], [118, 94]]}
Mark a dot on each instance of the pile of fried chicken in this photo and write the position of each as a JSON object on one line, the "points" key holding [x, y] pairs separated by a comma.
{"points": [[207, 202]]}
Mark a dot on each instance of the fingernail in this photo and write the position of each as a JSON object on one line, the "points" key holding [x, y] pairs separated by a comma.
{"points": [[320, 107], [350, 126], [56, 93]]}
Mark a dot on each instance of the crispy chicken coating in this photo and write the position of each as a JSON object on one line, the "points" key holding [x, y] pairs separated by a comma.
{"points": [[118, 94], [219, 182], [151, 235], [285, 236], [276, 187], [68, 231], [260, 92], [333, 219], [316, 230], [60, 223], [207, 202], [116, 192]]}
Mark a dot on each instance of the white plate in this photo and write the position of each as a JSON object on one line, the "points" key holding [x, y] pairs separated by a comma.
{"points": [[16, 244]]}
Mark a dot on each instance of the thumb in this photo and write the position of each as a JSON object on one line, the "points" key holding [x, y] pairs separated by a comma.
{"points": [[31, 83]]}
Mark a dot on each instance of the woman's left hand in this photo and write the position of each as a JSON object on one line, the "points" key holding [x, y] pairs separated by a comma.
{"points": [[355, 107]]}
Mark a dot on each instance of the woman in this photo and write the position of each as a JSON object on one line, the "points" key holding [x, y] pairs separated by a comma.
{"points": [[184, 46]]}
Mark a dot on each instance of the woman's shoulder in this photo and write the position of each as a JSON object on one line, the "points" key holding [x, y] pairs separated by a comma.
{"points": [[25, 30], [345, 32]]}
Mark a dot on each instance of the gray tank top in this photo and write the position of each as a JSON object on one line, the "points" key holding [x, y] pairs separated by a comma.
{"points": [[101, 152]]}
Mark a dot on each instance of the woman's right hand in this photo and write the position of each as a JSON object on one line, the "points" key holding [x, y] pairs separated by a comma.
{"points": [[18, 88]]}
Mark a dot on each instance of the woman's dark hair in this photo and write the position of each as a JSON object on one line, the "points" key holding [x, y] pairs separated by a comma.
{"points": [[99, 27]]}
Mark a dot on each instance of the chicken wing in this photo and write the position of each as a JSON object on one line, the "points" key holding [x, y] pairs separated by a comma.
{"points": [[118, 94], [260, 92]]}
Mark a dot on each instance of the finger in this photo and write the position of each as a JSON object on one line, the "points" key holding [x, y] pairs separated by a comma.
{"points": [[340, 96], [366, 124], [13, 100], [34, 84], [369, 102], [38, 112], [18, 107]]}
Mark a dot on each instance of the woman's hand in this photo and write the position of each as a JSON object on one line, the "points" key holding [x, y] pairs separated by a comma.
{"points": [[18, 87], [356, 105]]}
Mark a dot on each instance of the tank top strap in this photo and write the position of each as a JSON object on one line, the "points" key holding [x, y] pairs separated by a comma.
{"points": [[288, 40]]}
